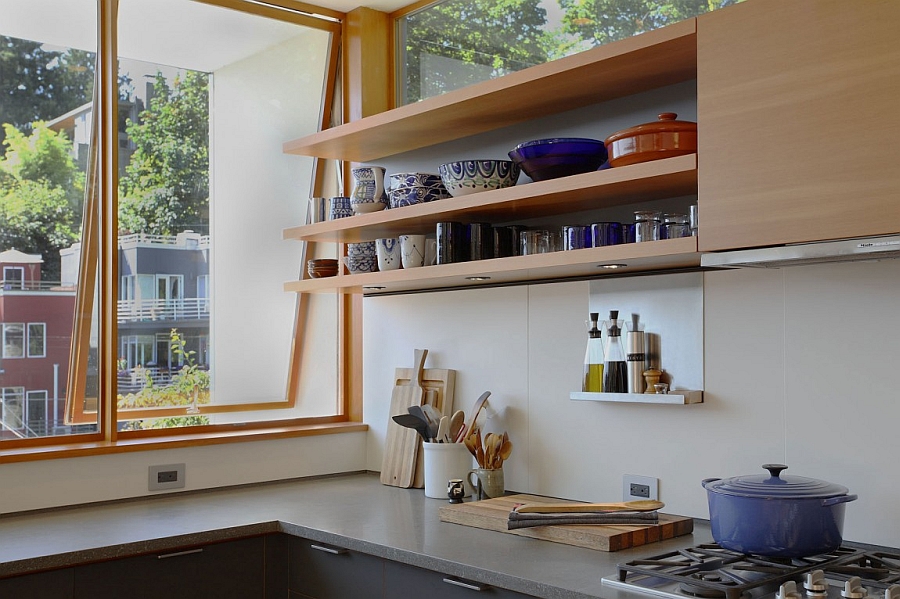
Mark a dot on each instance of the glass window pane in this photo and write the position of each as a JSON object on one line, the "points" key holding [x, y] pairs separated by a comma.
{"points": [[37, 340], [437, 55], [205, 191], [47, 52]]}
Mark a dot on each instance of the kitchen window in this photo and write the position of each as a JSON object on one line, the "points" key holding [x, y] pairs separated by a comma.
{"points": [[436, 55], [181, 317]]}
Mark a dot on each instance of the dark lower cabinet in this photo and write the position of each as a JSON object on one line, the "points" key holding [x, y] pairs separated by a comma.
{"points": [[402, 581], [55, 584], [229, 570], [321, 571]]}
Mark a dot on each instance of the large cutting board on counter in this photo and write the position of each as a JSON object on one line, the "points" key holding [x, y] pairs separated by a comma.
{"points": [[492, 514]]}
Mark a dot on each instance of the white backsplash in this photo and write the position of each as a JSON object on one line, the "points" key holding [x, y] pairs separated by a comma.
{"points": [[796, 369]]}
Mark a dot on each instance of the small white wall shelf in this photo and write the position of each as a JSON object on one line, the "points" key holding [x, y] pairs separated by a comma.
{"points": [[676, 397]]}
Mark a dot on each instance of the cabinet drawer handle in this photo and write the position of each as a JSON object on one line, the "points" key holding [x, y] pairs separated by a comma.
{"points": [[331, 550], [467, 585], [179, 553]]}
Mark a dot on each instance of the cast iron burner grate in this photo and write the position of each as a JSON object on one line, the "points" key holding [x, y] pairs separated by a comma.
{"points": [[711, 572], [879, 570]]}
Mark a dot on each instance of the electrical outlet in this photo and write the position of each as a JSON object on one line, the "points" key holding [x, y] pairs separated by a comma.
{"points": [[639, 487], [169, 476]]}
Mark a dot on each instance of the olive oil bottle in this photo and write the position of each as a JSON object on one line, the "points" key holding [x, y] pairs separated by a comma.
{"points": [[593, 359]]}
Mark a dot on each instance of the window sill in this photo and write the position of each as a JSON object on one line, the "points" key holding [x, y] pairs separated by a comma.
{"points": [[77, 450]]}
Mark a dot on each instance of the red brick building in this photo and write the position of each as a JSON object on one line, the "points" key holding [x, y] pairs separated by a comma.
{"points": [[36, 319]]}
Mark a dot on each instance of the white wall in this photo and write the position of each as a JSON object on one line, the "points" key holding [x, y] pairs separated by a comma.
{"points": [[797, 370]]}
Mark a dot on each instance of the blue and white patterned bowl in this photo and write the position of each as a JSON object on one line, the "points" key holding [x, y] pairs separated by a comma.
{"points": [[471, 176], [415, 180], [361, 257], [409, 196]]}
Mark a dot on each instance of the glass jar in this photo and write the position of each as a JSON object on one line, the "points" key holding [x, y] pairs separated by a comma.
{"points": [[674, 226], [646, 225]]}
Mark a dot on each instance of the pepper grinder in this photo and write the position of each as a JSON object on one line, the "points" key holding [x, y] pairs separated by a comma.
{"points": [[651, 376]]}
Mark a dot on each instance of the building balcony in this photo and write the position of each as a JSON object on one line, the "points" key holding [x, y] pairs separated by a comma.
{"points": [[195, 308]]}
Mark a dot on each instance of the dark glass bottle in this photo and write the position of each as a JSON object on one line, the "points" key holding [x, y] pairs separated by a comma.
{"points": [[615, 369]]}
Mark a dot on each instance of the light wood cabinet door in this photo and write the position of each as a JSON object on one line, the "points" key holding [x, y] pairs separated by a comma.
{"points": [[799, 127]]}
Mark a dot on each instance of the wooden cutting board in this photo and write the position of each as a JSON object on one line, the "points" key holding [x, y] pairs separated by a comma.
{"points": [[398, 465], [439, 385], [492, 514]]}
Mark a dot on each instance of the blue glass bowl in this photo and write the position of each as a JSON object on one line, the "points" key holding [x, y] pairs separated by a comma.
{"points": [[544, 159]]}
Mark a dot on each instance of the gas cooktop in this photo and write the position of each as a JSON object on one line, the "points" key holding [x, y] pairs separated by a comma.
{"points": [[711, 572]]}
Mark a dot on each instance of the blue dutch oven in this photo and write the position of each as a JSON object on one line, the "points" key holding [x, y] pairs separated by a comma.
{"points": [[774, 515]]}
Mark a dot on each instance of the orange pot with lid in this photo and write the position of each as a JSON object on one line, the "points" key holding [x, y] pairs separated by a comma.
{"points": [[664, 138]]}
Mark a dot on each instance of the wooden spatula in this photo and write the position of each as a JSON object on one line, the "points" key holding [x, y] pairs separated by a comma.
{"points": [[641, 505]]}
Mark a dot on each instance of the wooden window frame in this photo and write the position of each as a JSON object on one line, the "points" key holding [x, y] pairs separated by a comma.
{"points": [[98, 266]]}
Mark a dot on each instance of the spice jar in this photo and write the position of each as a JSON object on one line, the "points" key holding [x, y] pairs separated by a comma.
{"points": [[674, 226], [646, 225]]}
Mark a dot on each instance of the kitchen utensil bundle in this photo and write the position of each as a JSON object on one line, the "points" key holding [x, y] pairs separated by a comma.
{"points": [[492, 452]]}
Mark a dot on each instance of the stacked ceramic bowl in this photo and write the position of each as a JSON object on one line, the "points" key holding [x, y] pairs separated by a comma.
{"points": [[408, 189], [322, 267], [471, 176], [361, 257]]}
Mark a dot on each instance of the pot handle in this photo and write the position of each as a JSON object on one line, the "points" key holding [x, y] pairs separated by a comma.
{"points": [[830, 501], [706, 481]]}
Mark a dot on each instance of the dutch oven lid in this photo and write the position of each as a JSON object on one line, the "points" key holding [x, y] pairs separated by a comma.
{"points": [[665, 124], [775, 486]]}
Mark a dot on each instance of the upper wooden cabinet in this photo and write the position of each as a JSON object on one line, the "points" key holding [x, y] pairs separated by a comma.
{"points": [[798, 121]]}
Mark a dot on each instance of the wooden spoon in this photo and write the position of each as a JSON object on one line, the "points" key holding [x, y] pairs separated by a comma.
{"points": [[641, 505], [479, 449], [469, 442], [457, 420]]}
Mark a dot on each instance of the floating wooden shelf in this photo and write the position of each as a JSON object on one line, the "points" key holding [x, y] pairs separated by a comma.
{"points": [[633, 65], [659, 179], [677, 397], [635, 257]]}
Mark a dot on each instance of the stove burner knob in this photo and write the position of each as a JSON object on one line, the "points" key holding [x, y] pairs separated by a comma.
{"points": [[788, 591], [815, 582], [892, 592], [853, 589]]}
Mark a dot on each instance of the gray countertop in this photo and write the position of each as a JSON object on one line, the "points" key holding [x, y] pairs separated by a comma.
{"points": [[354, 511]]}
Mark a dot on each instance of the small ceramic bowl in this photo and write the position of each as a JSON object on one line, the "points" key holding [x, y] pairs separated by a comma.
{"points": [[361, 249], [361, 264], [471, 176], [414, 180]]}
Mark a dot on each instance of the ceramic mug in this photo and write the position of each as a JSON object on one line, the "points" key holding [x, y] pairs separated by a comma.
{"points": [[487, 483], [412, 250], [388, 252], [430, 251], [340, 207]]}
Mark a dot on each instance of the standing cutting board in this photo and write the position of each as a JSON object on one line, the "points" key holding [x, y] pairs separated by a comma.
{"points": [[492, 514], [398, 466]]}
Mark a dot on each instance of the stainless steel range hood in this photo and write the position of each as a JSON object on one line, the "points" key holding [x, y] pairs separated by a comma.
{"points": [[845, 250]]}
